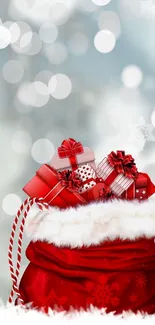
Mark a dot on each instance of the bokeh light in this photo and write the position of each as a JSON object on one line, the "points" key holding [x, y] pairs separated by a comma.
{"points": [[132, 76], [109, 20], [59, 13], [13, 71], [56, 53], [42, 151], [5, 37], [35, 45], [48, 32], [87, 6], [21, 142], [78, 43], [44, 76], [153, 118], [13, 29], [29, 42], [130, 9], [60, 86], [11, 204], [101, 2], [89, 98], [104, 41], [33, 94], [24, 39]]}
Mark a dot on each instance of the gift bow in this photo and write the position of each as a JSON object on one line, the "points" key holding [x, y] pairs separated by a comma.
{"points": [[105, 192], [70, 180], [69, 148], [124, 164]]}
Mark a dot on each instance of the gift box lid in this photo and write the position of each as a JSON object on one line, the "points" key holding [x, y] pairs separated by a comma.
{"points": [[86, 157]]}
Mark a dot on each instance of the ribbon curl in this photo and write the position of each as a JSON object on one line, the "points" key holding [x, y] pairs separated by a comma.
{"points": [[124, 164], [70, 180]]}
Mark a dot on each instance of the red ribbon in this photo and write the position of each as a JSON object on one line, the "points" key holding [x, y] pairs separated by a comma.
{"points": [[69, 149], [49, 175], [123, 164], [70, 180]]}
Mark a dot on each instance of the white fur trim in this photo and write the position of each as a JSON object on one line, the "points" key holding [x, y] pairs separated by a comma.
{"points": [[15, 315], [93, 223]]}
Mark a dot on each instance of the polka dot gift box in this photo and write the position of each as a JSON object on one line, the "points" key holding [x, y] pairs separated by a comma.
{"points": [[87, 176]]}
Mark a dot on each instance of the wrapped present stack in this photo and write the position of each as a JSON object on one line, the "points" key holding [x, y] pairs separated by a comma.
{"points": [[72, 178]]}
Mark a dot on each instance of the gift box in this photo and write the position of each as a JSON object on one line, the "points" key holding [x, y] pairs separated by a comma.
{"points": [[55, 188], [141, 189], [118, 171], [87, 175], [71, 154], [99, 192]]}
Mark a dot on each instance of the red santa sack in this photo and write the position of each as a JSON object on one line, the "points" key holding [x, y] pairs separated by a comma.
{"points": [[102, 254]]}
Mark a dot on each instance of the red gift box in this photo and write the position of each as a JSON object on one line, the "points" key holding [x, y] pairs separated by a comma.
{"points": [[100, 191], [46, 184], [141, 189]]}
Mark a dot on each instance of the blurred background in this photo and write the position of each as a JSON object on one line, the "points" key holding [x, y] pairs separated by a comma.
{"points": [[72, 68]]}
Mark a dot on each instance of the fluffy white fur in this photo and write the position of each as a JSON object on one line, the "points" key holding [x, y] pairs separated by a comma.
{"points": [[93, 223], [17, 316]]}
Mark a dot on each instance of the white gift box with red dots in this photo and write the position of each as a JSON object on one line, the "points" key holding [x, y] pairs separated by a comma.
{"points": [[86, 173]]}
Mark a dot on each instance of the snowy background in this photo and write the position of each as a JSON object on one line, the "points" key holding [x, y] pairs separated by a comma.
{"points": [[72, 68]]}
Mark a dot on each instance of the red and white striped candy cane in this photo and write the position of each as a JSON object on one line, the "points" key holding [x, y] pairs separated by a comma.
{"points": [[27, 204]]}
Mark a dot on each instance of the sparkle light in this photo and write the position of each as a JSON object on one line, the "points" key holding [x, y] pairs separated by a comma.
{"points": [[132, 76], [109, 20], [13, 71], [48, 32], [59, 13], [42, 151], [78, 43], [101, 2], [60, 86], [56, 53], [11, 204], [5, 37], [33, 94], [21, 142], [104, 41]]}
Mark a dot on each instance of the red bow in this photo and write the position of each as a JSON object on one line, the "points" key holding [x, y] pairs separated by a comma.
{"points": [[70, 148], [105, 192], [70, 180], [124, 164]]}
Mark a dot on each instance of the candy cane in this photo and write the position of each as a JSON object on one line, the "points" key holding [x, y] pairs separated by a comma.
{"points": [[14, 275]]}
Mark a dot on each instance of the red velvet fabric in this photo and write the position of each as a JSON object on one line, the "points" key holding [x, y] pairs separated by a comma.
{"points": [[117, 275]]}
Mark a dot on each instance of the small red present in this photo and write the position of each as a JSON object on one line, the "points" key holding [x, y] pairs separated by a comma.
{"points": [[99, 192], [57, 189], [118, 171], [141, 189], [71, 154]]}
